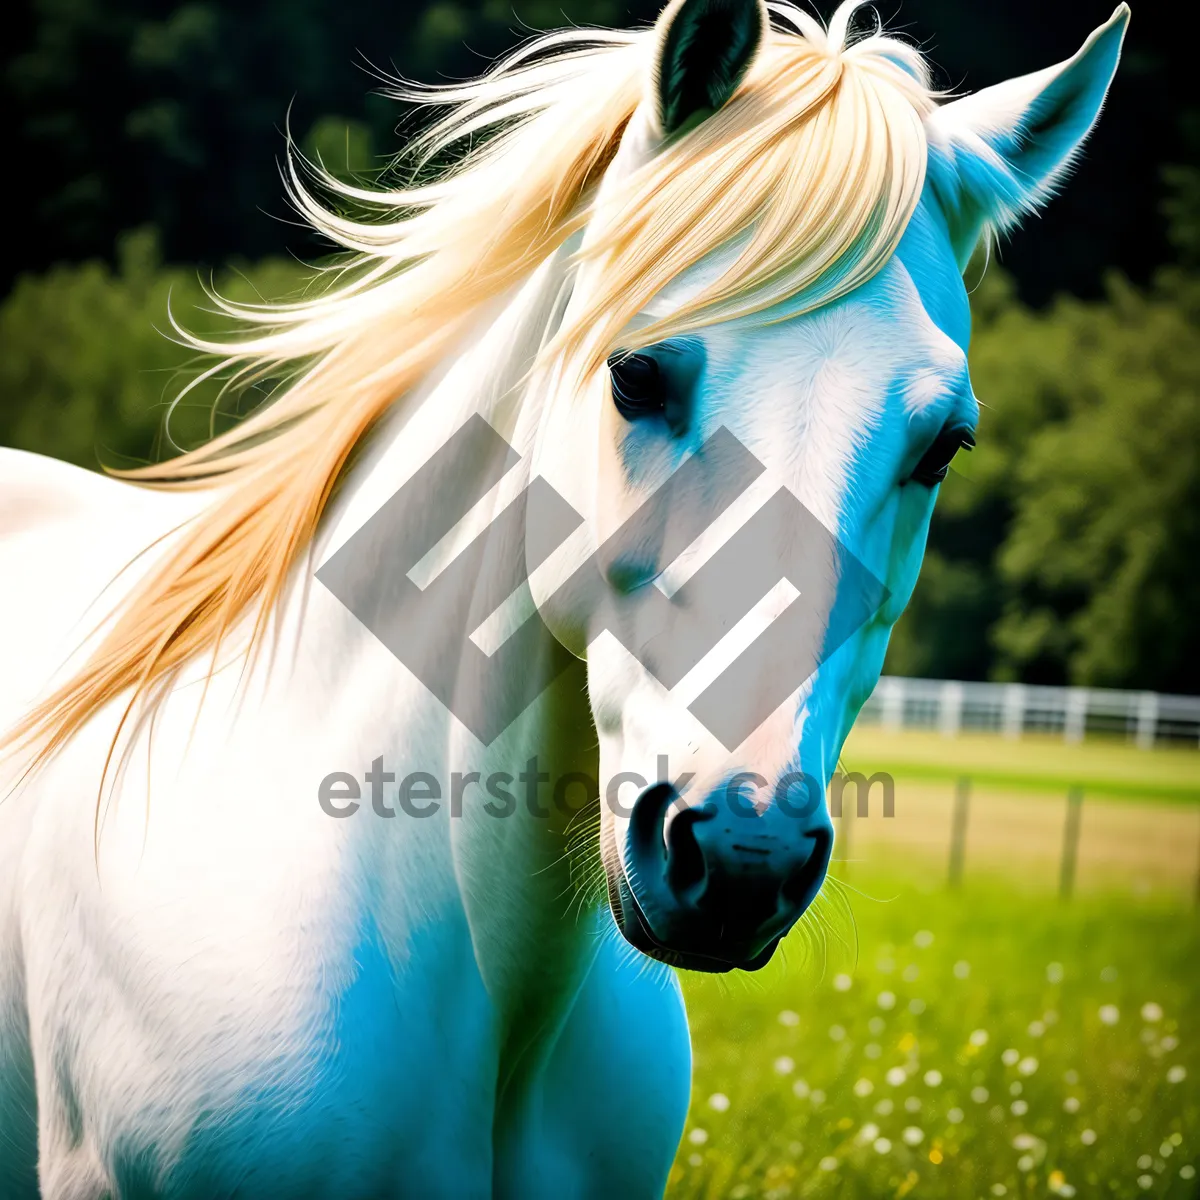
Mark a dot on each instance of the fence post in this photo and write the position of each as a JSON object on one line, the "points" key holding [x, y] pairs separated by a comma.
{"points": [[1014, 710], [950, 706], [1147, 720], [1070, 851], [958, 831], [1075, 715]]}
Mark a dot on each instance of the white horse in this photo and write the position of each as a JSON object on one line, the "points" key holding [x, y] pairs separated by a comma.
{"points": [[237, 957]]}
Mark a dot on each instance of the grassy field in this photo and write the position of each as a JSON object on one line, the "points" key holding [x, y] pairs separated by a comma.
{"points": [[971, 1045], [1036, 762], [989, 1042]]}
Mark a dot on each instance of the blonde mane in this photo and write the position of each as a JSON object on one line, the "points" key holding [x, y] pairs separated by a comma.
{"points": [[817, 163]]}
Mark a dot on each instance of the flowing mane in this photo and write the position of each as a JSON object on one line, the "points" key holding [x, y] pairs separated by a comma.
{"points": [[815, 165]]}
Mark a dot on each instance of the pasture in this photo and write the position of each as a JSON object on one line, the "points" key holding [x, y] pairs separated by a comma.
{"points": [[987, 1041]]}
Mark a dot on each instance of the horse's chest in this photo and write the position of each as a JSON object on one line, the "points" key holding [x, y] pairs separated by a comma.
{"points": [[291, 1052], [386, 1091]]}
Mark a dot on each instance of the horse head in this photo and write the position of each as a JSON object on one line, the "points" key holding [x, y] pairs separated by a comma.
{"points": [[759, 454]]}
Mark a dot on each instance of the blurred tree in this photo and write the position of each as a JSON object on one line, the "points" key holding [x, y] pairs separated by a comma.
{"points": [[1104, 549], [1182, 211], [943, 632], [1066, 548], [137, 112], [343, 147], [86, 373]]}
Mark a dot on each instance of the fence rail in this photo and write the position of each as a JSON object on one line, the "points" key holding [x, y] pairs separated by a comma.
{"points": [[1012, 709]]}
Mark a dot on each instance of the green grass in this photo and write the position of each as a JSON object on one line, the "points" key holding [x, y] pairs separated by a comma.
{"points": [[801, 1069], [1035, 762]]}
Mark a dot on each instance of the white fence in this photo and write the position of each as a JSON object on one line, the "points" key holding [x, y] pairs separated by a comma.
{"points": [[1016, 708]]}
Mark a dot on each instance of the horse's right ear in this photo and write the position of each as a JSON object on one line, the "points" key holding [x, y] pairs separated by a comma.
{"points": [[703, 50], [1000, 153]]}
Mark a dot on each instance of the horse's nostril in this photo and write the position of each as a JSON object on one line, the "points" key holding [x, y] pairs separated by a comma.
{"points": [[804, 881], [686, 870], [678, 857], [649, 813]]}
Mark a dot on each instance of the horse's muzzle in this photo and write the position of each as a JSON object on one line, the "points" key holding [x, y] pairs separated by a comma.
{"points": [[711, 889]]}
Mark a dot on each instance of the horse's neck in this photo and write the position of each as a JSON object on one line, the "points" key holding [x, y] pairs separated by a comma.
{"points": [[533, 937]]}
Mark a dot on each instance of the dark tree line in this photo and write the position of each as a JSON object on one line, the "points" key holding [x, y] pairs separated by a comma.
{"points": [[126, 113]]}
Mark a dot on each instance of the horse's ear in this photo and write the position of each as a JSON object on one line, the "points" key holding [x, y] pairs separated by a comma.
{"points": [[999, 154], [704, 48]]}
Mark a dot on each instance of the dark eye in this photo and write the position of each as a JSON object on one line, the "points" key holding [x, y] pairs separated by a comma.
{"points": [[638, 387], [935, 464]]}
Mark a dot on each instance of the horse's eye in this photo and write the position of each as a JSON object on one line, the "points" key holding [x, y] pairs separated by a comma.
{"points": [[638, 387], [935, 464]]}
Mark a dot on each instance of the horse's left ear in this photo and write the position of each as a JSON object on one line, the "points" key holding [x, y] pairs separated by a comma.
{"points": [[998, 154], [703, 50]]}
